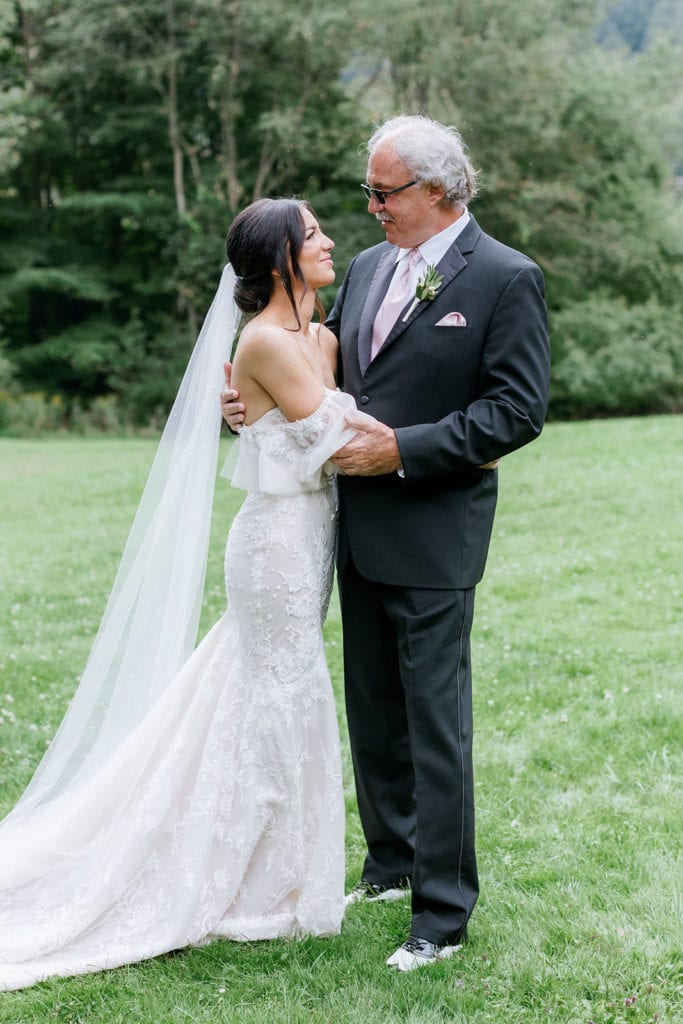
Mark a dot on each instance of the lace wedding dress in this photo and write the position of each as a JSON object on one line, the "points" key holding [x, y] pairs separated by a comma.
{"points": [[221, 815]]}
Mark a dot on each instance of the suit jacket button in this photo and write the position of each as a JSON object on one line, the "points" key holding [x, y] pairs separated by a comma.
{"points": [[364, 399]]}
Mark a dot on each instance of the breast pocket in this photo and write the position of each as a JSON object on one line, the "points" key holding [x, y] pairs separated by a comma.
{"points": [[454, 355], [451, 342]]}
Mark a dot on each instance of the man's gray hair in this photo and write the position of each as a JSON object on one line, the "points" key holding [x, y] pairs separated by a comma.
{"points": [[433, 152]]}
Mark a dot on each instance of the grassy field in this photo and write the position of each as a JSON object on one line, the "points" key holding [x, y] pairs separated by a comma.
{"points": [[577, 662]]}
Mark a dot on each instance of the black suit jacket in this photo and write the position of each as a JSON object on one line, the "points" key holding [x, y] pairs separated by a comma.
{"points": [[457, 397]]}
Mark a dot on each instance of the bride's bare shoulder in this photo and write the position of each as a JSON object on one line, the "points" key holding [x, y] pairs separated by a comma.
{"points": [[260, 332], [268, 355], [265, 339]]}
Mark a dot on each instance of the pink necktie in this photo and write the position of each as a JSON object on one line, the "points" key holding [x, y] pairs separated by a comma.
{"points": [[400, 292]]}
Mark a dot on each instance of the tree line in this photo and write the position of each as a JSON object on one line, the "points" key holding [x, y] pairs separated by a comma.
{"points": [[130, 135]]}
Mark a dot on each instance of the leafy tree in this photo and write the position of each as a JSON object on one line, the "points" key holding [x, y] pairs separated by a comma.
{"points": [[131, 133], [569, 141], [137, 131]]}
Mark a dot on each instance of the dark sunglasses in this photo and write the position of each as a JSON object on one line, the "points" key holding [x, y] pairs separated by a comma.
{"points": [[380, 194]]}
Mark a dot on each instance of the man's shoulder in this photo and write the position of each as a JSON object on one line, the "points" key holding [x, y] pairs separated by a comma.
{"points": [[487, 247]]}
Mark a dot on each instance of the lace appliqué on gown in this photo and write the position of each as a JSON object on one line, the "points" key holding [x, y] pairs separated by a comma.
{"points": [[222, 814]]}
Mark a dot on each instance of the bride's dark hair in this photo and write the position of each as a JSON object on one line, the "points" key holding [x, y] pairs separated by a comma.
{"points": [[266, 236]]}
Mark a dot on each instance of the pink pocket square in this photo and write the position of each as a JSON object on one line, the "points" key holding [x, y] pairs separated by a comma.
{"points": [[452, 320]]}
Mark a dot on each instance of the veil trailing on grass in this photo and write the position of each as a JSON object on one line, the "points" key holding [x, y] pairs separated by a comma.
{"points": [[150, 622]]}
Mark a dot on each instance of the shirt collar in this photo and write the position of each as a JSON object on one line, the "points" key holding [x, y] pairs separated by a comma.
{"points": [[435, 248]]}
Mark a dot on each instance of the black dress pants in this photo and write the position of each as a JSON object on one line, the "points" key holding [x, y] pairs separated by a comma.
{"points": [[409, 709]]}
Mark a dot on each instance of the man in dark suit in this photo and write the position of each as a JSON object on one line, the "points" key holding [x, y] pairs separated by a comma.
{"points": [[457, 376]]}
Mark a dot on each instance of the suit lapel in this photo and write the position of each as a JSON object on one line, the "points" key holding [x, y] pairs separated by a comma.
{"points": [[449, 267], [376, 292], [467, 241]]}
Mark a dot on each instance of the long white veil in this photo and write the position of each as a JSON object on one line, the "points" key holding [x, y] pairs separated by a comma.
{"points": [[149, 626]]}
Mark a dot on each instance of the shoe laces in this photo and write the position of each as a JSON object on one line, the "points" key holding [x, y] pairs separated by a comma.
{"points": [[414, 944]]}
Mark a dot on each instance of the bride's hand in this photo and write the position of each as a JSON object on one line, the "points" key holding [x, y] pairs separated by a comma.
{"points": [[231, 408]]}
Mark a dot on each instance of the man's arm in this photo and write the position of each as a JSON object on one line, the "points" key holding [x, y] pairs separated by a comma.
{"points": [[513, 393], [508, 413], [231, 407], [372, 452]]}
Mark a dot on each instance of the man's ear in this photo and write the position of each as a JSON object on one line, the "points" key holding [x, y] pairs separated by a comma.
{"points": [[436, 194]]}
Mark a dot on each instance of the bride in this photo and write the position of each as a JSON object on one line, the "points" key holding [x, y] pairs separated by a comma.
{"points": [[191, 797]]}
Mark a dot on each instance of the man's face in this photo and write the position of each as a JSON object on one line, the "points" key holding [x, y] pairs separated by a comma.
{"points": [[410, 217]]}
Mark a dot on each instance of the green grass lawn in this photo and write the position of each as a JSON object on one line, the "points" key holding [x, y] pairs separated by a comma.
{"points": [[577, 657]]}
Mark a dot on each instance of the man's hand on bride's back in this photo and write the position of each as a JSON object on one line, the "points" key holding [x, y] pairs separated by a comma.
{"points": [[231, 407]]}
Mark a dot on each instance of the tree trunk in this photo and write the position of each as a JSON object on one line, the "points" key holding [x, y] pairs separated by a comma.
{"points": [[172, 111], [228, 111]]}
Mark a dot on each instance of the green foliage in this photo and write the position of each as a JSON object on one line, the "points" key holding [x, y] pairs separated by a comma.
{"points": [[75, 282], [14, 126], [574, 172], [611, 357], [7, 370], [131, 134], [103, 416], [151, 123], [30, 413]]}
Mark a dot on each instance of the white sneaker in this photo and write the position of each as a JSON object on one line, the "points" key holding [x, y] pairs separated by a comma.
{"points": [[416, 952], [372, 892]]}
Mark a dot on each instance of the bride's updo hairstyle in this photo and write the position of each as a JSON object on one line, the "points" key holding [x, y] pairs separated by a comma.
{"points": [[266, 236]]}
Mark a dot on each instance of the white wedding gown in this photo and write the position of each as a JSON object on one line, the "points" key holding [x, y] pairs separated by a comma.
{"points": [[222, 814]]}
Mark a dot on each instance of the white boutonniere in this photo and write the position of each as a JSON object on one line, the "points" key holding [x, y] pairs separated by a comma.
{"points": [[426, 288]]}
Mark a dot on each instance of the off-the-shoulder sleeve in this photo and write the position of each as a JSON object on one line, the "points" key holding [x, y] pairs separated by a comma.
{"points": [[333, 433], [281, 457]]}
